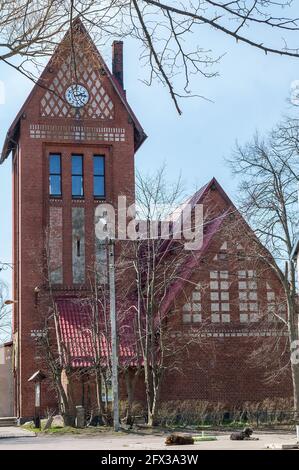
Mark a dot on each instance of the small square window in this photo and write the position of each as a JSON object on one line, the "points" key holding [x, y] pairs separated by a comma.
{"points": [[253, 307], [252, 296], [214, 285], [196, 307], [243, 317], [243, 295], [242, 285], [213, 274], [214, 296], [254, 317], [242, 273], [225, 317], [243, 307], [252, 285], [196, 318], [270, 295], [196, 296], [186, 318], [225, 307], [224, 285], [224, 274], [215, 318], [187, 308], [215, 307], [224, 295]]}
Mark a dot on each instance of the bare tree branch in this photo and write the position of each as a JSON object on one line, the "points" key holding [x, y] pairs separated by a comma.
{"points": [[170, 33]]}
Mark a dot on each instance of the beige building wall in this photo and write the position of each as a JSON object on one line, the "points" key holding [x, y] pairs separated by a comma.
{"points": [[6, 381]]}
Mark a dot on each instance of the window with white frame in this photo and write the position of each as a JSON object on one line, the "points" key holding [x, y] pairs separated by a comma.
{"points": [[192, 308], [222, 255], [219, 296], [248, 300]]}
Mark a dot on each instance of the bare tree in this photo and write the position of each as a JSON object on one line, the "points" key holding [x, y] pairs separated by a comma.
{"points": [[5, 314], [170, 33], [51, 347], [96, 326], [155, 264], [269, 187], [54, 352]]}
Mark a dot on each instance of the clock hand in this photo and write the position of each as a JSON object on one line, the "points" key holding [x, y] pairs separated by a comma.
{"points": [[79, 95]]}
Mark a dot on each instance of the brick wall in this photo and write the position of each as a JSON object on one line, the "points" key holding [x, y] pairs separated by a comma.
{"points": [[219, 371], [42, 132]]}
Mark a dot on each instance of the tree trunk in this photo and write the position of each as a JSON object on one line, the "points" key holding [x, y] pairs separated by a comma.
{"points": [[67, 411], [295, 380], [152, 416], [148, 392], [130, 384], [100, 405], [293, 338]]}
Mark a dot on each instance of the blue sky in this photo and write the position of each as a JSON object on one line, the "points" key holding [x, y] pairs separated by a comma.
{"points": [[250, 94]]}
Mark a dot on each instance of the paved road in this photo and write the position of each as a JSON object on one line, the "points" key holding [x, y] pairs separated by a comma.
{"points": [[132, 441]]}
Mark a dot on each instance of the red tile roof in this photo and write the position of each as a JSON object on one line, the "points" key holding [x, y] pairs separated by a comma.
{"points": [[75, 320], [75, 316]]}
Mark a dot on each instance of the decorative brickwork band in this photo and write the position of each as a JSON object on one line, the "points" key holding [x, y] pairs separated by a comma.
{"points": [[77, 133]]}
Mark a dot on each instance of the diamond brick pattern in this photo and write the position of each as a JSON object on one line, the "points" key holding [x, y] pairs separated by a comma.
{"points": [[100, 105]]}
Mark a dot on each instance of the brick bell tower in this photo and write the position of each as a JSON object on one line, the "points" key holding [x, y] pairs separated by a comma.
{"points": [[73, 144]]}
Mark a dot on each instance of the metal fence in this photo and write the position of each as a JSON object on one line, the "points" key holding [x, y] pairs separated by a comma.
{"points": [[259, 418]]}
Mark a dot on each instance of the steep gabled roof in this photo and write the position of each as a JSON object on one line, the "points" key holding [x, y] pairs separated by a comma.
{"points": [[12, 134], [210, 230], [191, 263], [198, 197]]}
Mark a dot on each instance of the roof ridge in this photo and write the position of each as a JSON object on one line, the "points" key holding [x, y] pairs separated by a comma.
{"points": [[11, 136]]}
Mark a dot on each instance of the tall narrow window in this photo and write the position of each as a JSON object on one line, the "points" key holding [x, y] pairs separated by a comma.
{"points": [[99, 176], [55, 175], [78, 247], [77, 176]]}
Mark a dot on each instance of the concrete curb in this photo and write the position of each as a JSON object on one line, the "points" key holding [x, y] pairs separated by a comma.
{"points": [[14, 432], [282, 446]]}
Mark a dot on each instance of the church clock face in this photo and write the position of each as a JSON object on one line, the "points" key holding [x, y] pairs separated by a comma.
{"points": [[77, 95]]}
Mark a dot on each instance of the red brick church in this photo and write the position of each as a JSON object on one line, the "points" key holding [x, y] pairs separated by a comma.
{"points": [[73, 146]]}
